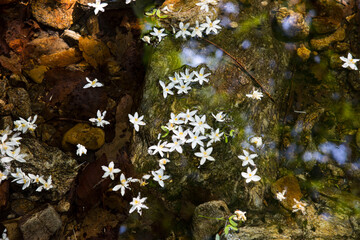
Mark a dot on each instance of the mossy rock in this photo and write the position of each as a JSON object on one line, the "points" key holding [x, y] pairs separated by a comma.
{"points": [[90, 137], [291, 184]]}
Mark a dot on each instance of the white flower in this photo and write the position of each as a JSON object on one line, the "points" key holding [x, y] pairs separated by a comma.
{"points": [[240, 215], [183, 30], [136, 120], [159, 176], [201, 77], [98, 6], [94, 83], [204, 4], [200, 124], [35, 178], [146, 39], [167, 89], [24, 180], [250, 175], [142, 181], [205, 155], [6, 131], [15, 139], [14, 155], [281, 195], [175, 145], [197, 30], [123, 184], [138, 204], [299, 206], [99, 121], [255, 95], [171, 126], [18, 175], [188, 116], [180, 134], [159, 148], [187, 76], [175, 119], [109, 171], [3, 175], [166, 9], [247, 158], [220, 117], [80, 150], [195, 139], [163, 162], [4, 235], [349, 62], [214, 137], [23, 125], [175, 79], [211, 26], [45, 184], [129, 1], [158, 33], [5, 145], [183, 88], [257, 141]]}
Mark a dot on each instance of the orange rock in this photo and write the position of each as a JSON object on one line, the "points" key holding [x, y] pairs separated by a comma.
{"points": [[95, 52], [61, 59]]}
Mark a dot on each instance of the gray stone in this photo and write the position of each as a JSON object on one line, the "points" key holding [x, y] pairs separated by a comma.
{"points": [[40, 225], [19, 97], [204, 227]]}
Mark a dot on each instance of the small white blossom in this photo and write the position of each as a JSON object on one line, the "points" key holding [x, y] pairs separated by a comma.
{"points": [[129, 1], [24, 180], [23, 125], [175, 145], [240, 215], [195, 139], [183, 30], [5, 145], [175, 79], [163, 162], [188, 116], [187, 76], [197, 30], [281, 195], [137, 204], [200, 124], [299, 206], [146, 39], [99, 121], [220, 117], [94, 83], [255, 95], [183, 87], [247, 158], [167, 89], [214, 137], [6, 131], [257, 141], [171, 126], [159, 176], [4, 235], [98, 6], [204, 4], [14, 155], [175, 119], [35, 178], [158, 33], [3, 175], [250, 175], [45, 184], [18, 175], [124, 183], [159, 148], [15, 139], [142, 181], [201, 76], [110, 170], [80, 150], [205, 155], [211, 26], [349, 62], [136, 120], [180, 134]]}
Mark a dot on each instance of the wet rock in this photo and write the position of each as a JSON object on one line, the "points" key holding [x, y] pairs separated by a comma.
{"points": [[303, 52], [37, 73], [40, 225], [13, 230], [21, 101], [46, 161], [90, 137], [45, 44], [323, 25], [56, 14], [18, 80], [291, 184], [6, 121], [204, 228], [63, 206], [335, 171], [61, 59], [5, 108], [325, 42], [71, 37], [4, 194], [94, 51], [291, 25], [22, 206]]}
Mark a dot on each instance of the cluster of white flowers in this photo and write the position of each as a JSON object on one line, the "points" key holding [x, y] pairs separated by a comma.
{"points": [[349, 62], [183, 80], [157, 33], [137, 203], [248, 159], [299, 206], [209, 27], [10, 150], [204, 4]]}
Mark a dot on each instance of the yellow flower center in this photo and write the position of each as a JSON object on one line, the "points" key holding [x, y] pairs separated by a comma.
{"points": [[123, 181], [195, 137], [136, 202], [160, 177], [200, 75], [200, 123], [166, 89], [93, 83], [110, 169]]}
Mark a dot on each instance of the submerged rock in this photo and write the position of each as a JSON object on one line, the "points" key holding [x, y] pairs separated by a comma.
{"points": [[291, 185], [204, 224], [37, 74], [19, 97], [94, 51], [325, 42], [291, 25], [82, 133]]}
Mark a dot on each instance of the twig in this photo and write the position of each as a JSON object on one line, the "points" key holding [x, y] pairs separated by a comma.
{"points": [[242, 67]]}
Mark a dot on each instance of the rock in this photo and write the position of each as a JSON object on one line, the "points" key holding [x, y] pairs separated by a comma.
{"points": [[37, 73], [303, 52], [291, 25], [90, 137], [94, 51], [40, 225], [21, 101], [335, 171], [71, 37], [92, 25], [323, 25], [22, 206], [4, 193], [63, 206], [56, 14], [46, 161], [13, 230], [61, 59], [45, 44], [6, 122], [325, 42], [291, 184], [205, 228]]}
